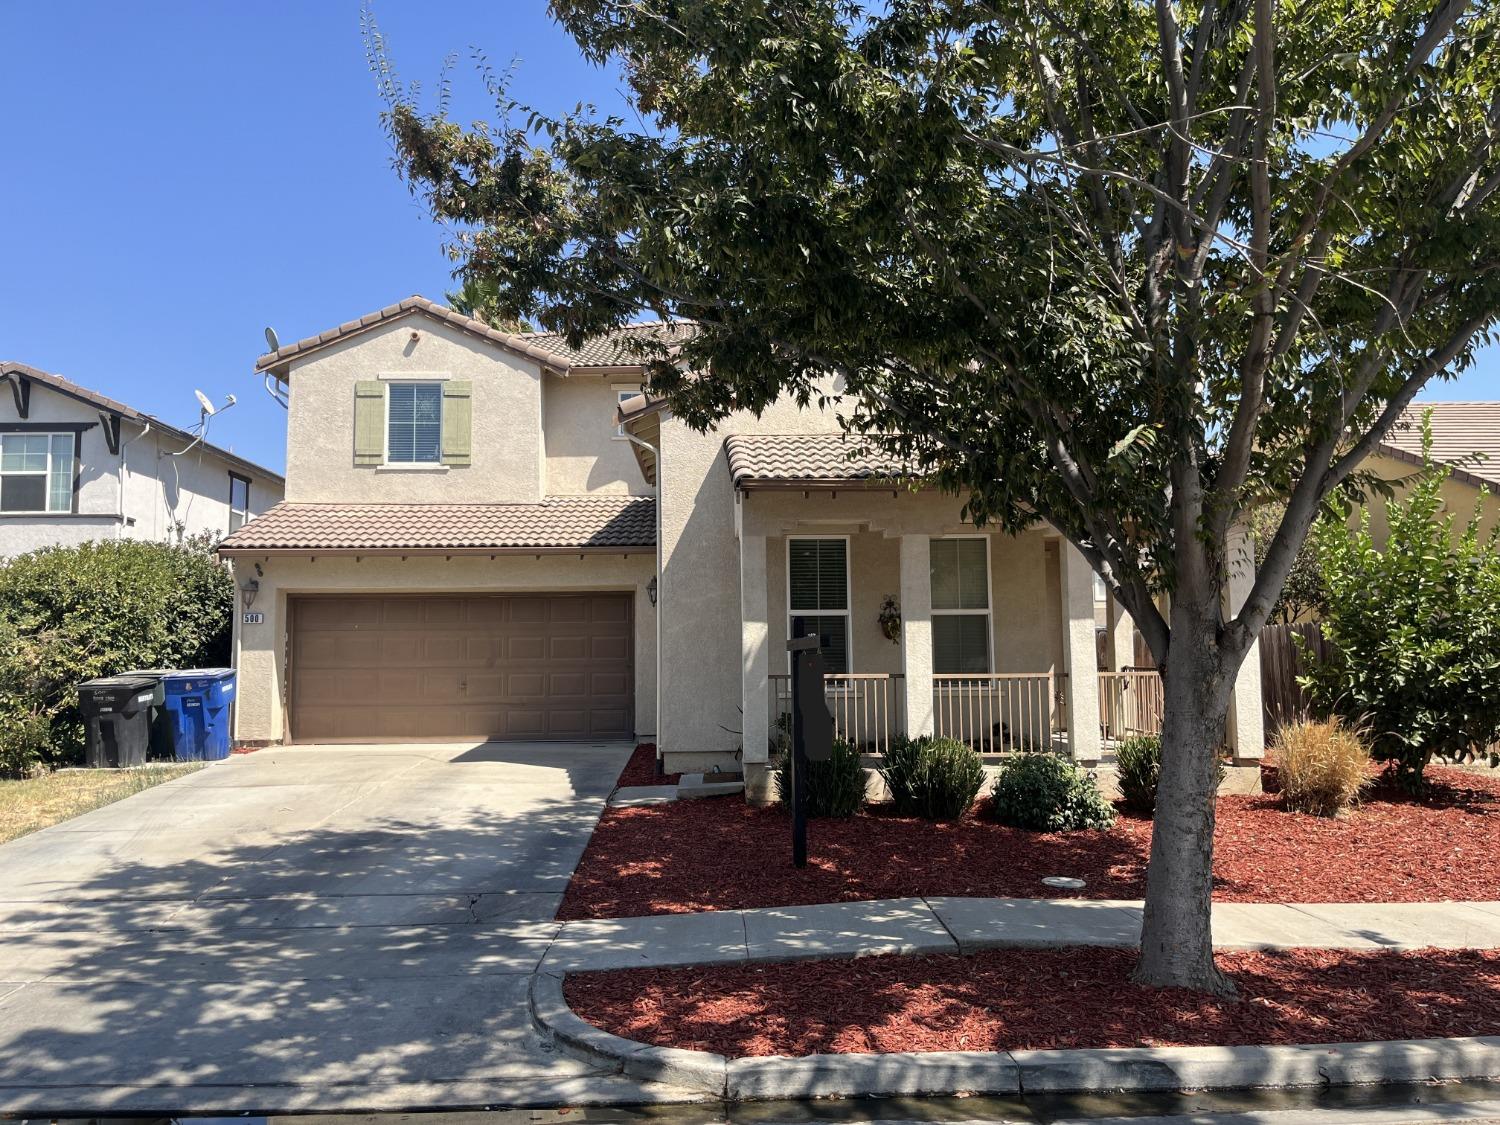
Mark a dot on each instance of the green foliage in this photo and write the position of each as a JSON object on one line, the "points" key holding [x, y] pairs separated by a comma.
{"points": [[1414, 630], [1138, 760], [834, 788], [935, 778], [70, 614], [1045, 793], [1302, 594]]}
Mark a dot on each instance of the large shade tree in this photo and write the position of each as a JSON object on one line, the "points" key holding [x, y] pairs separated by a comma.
{"points": [[1131, 268]]}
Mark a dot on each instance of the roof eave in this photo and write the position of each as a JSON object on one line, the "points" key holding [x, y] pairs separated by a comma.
{"points": [[592, 549]]}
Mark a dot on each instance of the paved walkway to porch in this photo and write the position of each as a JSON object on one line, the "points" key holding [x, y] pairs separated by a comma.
{"points": [[963, 925]]}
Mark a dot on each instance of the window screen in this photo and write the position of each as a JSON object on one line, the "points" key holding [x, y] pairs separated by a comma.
{"points": [[415, 432]]}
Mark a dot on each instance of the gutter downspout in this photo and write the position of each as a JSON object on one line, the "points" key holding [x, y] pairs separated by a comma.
{"points": [[120, 507], [661, 592]]}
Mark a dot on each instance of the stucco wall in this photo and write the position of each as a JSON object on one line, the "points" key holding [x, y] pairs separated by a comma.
{"points": [[260, 649], [1459, 497], [506, 439], [583, 452], [160, 490]]}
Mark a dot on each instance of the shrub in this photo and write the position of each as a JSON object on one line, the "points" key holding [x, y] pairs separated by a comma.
{"points": [[1044, 793], [834, 788], [1414, 629], [1322, 765], [73, 613], [1138, 761], [935, 778]]}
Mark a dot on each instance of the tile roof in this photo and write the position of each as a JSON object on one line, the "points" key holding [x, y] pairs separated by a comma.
{"points": [[613, 349], [558, 522], [9, 369], [792, 459], [1460, 430]]}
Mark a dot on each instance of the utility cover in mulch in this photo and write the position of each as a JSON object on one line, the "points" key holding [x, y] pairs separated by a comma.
{"points": [[1019, 999], [721, 854], [641, 769]]}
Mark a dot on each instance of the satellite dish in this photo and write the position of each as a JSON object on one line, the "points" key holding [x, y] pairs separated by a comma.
{"points": [[204, 404], [271, 341]]}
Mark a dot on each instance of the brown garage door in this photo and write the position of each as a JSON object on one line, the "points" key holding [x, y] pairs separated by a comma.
{"points": [[405, 668]]}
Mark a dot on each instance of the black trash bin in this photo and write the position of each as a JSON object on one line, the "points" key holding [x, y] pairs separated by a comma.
{"points": [[117, 719], [161, 719]]}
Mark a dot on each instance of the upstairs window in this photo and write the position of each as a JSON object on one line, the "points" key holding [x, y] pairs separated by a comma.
{"points": [[818, 592], [36, 472], [960, 606], [239, 502], [414, 424], [624, 392]]}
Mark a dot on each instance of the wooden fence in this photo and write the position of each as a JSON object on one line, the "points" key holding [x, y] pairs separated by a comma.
{"points": [[1282, 698]]}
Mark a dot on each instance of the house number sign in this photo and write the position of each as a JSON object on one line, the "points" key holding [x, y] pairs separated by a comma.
{"points": [[253, 619]]}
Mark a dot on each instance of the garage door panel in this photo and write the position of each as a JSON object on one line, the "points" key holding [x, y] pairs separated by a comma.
{"points": [[399, 668]]}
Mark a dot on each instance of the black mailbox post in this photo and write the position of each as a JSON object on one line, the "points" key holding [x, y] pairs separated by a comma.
{"points": [[812, 727]]}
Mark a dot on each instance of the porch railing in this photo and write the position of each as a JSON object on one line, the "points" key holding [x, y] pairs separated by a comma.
{"points": [[869, 709], [1129, 703], [997, 713]]}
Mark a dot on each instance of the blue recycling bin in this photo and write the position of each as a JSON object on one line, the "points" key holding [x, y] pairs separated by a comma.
{"points": [[197, 705]]}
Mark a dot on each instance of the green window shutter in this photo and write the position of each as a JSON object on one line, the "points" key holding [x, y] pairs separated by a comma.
{"points": [[458, 415], [369, 422]]}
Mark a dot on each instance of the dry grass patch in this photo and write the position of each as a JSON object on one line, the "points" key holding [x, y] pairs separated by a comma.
{"points": [[37, 802], [1323, 765]]}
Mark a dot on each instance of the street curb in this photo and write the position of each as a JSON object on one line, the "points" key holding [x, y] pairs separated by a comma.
{"points": [[764, 1078], [692, 1070]]}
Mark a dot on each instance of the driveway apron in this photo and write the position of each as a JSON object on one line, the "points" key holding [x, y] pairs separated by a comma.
{"points": [[311, 927]]}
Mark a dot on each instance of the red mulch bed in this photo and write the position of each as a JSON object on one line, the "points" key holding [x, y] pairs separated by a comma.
{"points": [[720, 854], [1014, 999], [641, 769]]}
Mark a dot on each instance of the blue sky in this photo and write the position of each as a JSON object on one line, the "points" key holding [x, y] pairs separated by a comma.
{"points": [[182, 175]]}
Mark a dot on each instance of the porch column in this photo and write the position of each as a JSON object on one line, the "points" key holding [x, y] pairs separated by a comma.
{"points": [[1245, 732], [755, 699], [1080, 655], [1120, 628], [916, 633]]}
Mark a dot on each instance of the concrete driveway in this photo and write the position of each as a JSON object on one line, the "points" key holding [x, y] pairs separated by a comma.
{"points": [[302, 928]]}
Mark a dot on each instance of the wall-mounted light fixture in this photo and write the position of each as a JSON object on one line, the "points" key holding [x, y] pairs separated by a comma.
{"points": [[248, 589], [651, 590]]}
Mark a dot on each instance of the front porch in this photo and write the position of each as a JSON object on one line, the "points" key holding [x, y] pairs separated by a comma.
{"points": [[934, 626], [996, 714]]}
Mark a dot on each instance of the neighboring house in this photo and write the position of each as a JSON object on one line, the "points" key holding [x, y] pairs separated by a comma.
{"points": [[1466, 437], [77, 466], [475, 544]]}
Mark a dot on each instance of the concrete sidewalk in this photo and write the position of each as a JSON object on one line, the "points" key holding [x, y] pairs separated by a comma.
{"points": [[963, 925]]}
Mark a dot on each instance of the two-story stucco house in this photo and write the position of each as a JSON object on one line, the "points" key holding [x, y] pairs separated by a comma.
{"points": [[492, 535], [77, 466]]}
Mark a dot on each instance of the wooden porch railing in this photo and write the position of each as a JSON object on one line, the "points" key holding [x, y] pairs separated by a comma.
{"points": [[1129, 703], [998, 713], [869, 709]]}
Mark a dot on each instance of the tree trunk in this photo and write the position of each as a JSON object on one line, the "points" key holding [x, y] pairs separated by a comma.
{"points": [[1176, 935]]}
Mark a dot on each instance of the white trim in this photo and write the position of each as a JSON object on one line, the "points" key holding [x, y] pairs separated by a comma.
{"points": [[848, 610], [988, 611], [414, 377], [408, 466], [46, 474]]}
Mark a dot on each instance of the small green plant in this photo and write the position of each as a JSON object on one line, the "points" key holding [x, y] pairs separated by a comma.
{"points": [[1322, 765], [1138, 760], [1044, 793], [834, 788], [935, 778]]}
